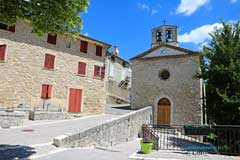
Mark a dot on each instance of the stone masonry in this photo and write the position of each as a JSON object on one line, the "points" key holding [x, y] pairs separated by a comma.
{"points": [[182, 89], [119, 130], [22, 73]]}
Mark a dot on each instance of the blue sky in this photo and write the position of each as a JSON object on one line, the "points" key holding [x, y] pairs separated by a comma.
{"points": [[128, 23]]}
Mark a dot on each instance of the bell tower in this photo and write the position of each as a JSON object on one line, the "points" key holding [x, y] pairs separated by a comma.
{"points": [[165, 34]]}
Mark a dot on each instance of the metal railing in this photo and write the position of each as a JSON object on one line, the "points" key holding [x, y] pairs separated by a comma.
{"points": [[220, 139]]}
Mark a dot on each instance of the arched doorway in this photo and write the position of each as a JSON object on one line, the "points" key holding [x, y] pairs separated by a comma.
{"points": [[164, 111]]}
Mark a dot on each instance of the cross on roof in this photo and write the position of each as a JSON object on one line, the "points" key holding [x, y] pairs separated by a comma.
{"points": [[164, 21]]}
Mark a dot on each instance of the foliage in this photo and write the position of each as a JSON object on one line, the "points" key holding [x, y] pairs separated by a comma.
{"points": [[46, 16], [221, 70]]}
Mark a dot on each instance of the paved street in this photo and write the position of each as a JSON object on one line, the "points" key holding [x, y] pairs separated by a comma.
{"points": [[36, 137]]}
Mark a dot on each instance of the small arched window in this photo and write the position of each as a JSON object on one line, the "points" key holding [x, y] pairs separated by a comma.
{"points": [[169, 35], [159, 36]]}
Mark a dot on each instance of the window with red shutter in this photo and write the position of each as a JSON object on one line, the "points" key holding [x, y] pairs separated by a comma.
{"points": [[82, 68], [49, 61], [52, 39], [2, 51], [84, 46], [102, 72], [99, 51], [11, 28], [99, 71], [46, 91]]}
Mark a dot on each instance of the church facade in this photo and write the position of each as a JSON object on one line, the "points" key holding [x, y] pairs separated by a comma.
{"points": [[163, 77]]}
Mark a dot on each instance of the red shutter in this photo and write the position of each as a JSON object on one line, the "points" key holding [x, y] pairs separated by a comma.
{"points": [[11, 28], [103, 72], [49, 61], [44, 91], [49, 91], [99, 51], [84, 46], [71, 100], [82, 68], [52, 60], [95, 71], [2, 51], [52, 39]]}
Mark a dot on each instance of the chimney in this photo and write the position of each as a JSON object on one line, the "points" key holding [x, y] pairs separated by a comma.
{"points": [[115, 50]]}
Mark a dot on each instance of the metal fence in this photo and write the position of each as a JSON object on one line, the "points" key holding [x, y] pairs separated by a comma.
{"points": [[195, 138]]}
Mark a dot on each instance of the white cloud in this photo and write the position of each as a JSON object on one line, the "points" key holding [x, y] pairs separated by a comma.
{"points": [[85, 34], [143, 6], [233, 1], [199, 35], [154, 11], [188, 7], [148, 8]]}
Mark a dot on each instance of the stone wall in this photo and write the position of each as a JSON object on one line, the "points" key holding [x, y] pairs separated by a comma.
{"points": [[113, 132], [10, 119], [182, 89], [23, 73], [41, 115]]}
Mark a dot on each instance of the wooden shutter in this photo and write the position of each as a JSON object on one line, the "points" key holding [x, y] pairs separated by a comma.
{"points": [[82, 68], [71, 100], [52, 61], [2, 51], [49, 87], [95, 71], [52, 39], [44, 91], [99, 51], [84, 46], [49, 61], [103, 72], [78, 99]]}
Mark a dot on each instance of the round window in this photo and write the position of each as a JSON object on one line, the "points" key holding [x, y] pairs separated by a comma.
{"points": [[164, 74]]}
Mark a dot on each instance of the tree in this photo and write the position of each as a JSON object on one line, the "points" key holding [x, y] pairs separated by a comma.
{"points": [[46, 16], [221, 71]]}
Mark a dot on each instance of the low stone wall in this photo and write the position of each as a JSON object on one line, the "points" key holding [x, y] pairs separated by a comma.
{"points": [[43, 115], [116, 131], [10, 119]]}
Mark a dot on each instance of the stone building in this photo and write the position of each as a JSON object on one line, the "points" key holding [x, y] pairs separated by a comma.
{"points": [[163, 77], [118, 82], [51, 71]]}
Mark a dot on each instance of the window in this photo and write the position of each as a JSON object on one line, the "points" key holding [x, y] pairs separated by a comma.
{"points": [[84, 46], [49, 61], [99, 71], [111, 70], [159, 36], [46, 91], [81, 68], [7, 28], [123, 74], [2, 51], [169, 36], [99, 51], [164, 74], [52, 39]]}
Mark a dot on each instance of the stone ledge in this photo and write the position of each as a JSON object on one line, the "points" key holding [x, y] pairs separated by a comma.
{"points": [[42, 115], [109, 133], [10, 119]]}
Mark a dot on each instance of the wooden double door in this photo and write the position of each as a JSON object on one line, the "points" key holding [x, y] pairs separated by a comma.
{"points": [[75, 100], [164, 112]]}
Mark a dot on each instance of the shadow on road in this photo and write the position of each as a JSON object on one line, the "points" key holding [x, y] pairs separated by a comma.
{"points": [[10, 152]]}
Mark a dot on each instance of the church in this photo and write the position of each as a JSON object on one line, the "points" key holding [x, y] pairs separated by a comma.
{"points": [[164, 77]]}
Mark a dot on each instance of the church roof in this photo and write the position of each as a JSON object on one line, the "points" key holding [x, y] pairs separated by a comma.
{"points": [[187, 51]]}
